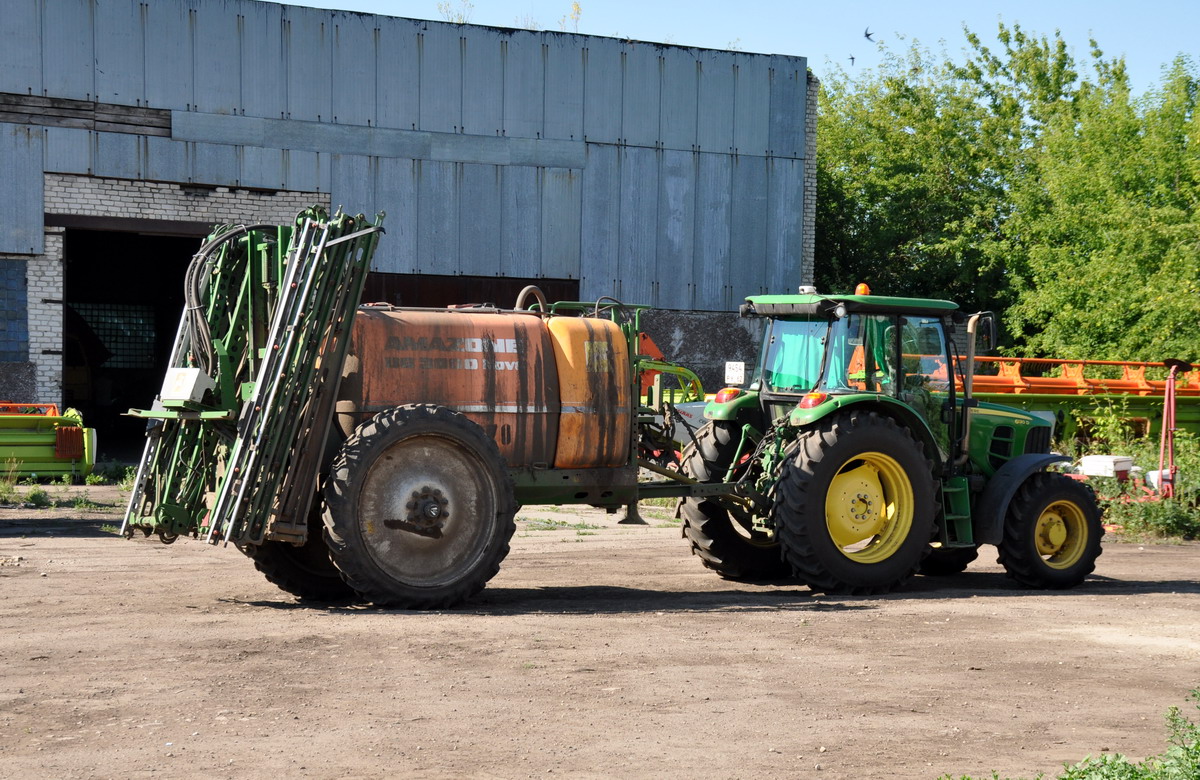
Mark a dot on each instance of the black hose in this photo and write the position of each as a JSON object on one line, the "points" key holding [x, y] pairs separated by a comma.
{"points": [[199, 335]]}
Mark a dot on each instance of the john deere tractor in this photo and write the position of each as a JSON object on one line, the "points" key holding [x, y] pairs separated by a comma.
{"points": [[859, 458]]}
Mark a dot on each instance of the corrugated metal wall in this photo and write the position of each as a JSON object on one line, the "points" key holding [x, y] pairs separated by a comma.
{"points": [[20, 189], [659, 174]]}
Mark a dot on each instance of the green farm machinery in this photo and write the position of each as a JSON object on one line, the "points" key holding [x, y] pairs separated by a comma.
{"points": [[861, 457], [381, 453], [37, 440]]}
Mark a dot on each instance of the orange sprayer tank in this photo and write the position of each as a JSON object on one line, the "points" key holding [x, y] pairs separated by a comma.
{"points": [[497, 368], [594, 386]]}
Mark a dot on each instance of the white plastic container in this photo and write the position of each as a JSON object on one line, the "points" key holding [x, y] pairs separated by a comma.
{"points": [[1156, 479], [1106, 466]]}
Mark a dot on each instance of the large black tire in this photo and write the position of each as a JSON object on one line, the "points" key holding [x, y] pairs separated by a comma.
{"points": [[721, 533], [418, 508], [946, 561], [855, 504], [305, 571], [1052, 532]]}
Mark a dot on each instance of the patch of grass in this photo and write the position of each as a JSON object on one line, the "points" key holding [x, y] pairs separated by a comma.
{"points": [[112, 473], [551, 524], [39, 498], [544, 524], [669, 503], [127, 478], [1180, 761], [109, 528], [1165, 519], [1169, 519], [84, 501], [8, 482]]}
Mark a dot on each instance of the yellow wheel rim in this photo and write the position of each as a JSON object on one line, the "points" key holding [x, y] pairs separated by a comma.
{"points": [[1061, 534], [869, 508]]}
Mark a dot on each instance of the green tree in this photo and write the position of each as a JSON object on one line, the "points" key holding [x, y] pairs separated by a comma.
{"points": [[1011, 182], [1108, 232], [911, 176]]}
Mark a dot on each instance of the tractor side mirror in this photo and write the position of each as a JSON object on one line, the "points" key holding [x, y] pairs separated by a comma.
{"points": [[985, 334]]}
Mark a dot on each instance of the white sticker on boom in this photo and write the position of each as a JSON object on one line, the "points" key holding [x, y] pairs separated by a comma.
{"points": [[735, 373]]}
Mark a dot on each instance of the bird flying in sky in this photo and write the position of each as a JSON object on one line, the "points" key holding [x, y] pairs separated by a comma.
{"points": [[867, 34]]}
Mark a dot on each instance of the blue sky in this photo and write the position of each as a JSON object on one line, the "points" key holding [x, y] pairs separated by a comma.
{"points": [[1149, 34]]}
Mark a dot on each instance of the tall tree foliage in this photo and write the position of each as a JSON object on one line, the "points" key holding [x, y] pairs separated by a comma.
{"points": [[1011, 182], [910, 174], [1109, 232]]}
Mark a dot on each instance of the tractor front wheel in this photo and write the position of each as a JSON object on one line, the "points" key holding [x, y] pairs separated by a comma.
{"points": [[1051, 533], [419, 508], [855, 504], [721, 530]]}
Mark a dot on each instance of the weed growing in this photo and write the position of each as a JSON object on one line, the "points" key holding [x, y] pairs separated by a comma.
{"points": [[39, 498], [127, 478], [551, 524], [8, 482], [112, 473], [1177, 518], [83, 501], [1180, 761]]}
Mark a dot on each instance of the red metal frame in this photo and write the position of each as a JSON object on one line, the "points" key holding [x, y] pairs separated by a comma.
{"points": [[1017, 375]]}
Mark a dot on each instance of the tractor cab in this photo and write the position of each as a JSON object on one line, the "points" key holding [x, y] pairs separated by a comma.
{"points": [[858, 457], [823, 352]]}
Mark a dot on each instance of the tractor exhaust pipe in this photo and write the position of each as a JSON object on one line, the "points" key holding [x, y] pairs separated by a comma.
{"points": [[968, 377]]}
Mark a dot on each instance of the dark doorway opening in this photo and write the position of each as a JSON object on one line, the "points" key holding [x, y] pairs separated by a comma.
{"points": [[123, 297]]}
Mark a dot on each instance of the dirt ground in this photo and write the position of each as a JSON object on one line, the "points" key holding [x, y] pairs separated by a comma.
{"points": [[601, 650]]}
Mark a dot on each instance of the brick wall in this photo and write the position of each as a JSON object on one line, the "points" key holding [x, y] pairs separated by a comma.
{"points": [[810, 183], [87, 196], [44, 280]]}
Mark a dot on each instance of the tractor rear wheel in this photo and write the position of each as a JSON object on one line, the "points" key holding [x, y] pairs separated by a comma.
{"points": [[721, 531], [1051, 533], [305, 571], [945, 561], [855, 504], [419, 508]]}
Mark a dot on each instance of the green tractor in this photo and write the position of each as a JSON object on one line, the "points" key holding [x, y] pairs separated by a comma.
{"points": [[859, 458]]}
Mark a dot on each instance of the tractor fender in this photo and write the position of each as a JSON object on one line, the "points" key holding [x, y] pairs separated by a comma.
{"points": [[992, 504]]}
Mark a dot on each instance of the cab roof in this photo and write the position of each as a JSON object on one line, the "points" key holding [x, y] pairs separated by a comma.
{"points": [[822, 305]]}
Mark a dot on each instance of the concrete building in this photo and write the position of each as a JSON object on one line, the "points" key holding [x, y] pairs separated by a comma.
{"points": [[677, 177]]}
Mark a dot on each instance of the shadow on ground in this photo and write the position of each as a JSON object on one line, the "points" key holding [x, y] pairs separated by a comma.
{"points": [[778, 596]]}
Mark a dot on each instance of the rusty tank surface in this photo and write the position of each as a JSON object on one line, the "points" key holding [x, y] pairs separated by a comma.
{"points": [[551, 391], [592, 357]]}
